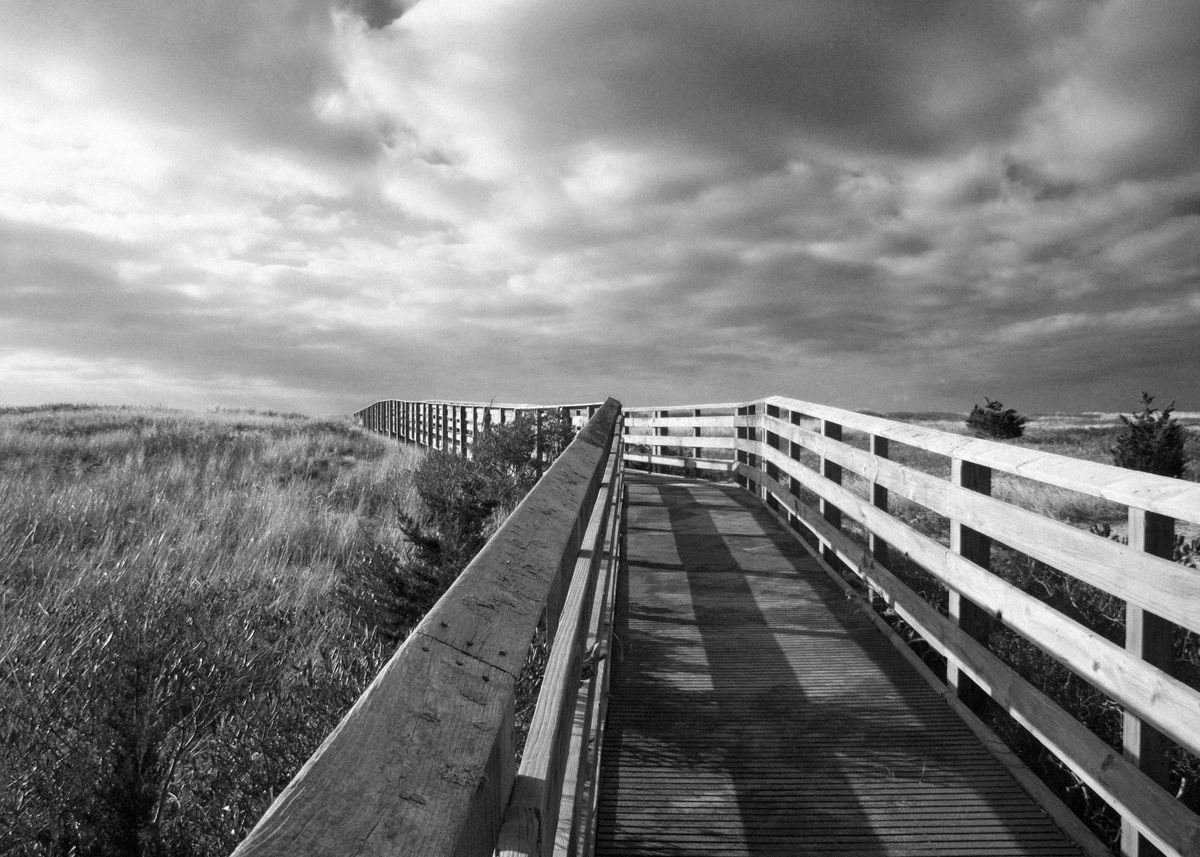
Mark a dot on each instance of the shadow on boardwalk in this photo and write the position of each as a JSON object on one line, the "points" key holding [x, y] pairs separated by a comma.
{"points": [[755, 712]]}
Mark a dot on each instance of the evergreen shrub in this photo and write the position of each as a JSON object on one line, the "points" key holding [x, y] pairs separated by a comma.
{"points": [[996, 421], [1150, 441]]}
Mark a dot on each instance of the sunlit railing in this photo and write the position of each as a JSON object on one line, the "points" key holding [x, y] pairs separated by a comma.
{"points": [[833, 475], [424, 762]]}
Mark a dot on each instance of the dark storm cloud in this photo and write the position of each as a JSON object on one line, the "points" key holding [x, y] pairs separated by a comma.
{"points": [[379, 13], [871, 203], [912, 78]]}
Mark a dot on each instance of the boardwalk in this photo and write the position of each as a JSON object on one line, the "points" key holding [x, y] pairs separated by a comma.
{"points": [[754, 710]]}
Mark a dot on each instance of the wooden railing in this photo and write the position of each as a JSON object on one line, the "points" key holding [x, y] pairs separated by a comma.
{"points": [[454, 426], [423, 763], [785, 451]]}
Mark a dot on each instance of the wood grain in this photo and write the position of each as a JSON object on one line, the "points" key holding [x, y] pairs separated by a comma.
{"points": [[413, 768]]}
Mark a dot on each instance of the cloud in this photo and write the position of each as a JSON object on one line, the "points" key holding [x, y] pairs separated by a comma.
{"points": [[870, 204]]}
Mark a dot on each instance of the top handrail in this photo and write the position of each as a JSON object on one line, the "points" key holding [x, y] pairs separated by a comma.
{"points": [[508, 406], [423, 761], [1175, 498], [793, 455]]}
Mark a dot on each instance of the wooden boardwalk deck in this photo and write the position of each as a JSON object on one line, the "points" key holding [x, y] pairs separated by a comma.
{"points": [[754, 711]]}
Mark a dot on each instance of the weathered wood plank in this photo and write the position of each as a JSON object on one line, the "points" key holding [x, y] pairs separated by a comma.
{"points": [[1163, 701], [406, 769], [1174, 498], [532, 815], [685, 462], [755, 710], [1115, 779], [1165, 588], [1150, 638], [698, 421], [676, 440]]}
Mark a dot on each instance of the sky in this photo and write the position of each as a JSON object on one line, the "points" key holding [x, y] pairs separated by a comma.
{"points": [[310, 205]]}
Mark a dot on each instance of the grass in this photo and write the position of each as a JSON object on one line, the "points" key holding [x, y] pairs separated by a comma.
{"points": [[174, 636]]}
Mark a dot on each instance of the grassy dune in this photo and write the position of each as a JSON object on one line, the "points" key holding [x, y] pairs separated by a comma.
{"points": [[174, 640]]}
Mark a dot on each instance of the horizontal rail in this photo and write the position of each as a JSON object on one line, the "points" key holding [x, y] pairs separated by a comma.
{"points": [[1174, 498], [423, 763], [787, 449], [554, 768]]}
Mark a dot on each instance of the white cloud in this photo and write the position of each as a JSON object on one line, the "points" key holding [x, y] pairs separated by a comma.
{"points": [[548, 198]]}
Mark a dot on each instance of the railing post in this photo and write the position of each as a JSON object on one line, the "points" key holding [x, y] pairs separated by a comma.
{"points": [[977, 548], [462, 430], [537, 439], [879, 499], [659, 431], [1151, 638], [696, 432], [832, 472]]}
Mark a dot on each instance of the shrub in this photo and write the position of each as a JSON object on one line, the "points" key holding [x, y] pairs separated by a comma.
{"points": [[996, 421], [391, 589], [1151, 441]]}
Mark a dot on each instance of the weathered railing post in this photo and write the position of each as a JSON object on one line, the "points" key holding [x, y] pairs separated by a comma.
{"points": [[977, 548], [659, 431], [879, 499], [538, 449], [832, 472], [1150, 638]]}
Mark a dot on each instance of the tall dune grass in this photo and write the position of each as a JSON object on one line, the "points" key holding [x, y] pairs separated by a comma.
{"points": [[173, 644]]}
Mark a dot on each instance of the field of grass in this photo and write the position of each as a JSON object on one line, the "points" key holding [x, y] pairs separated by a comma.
{"points": [[189, 603], [175, 634]]}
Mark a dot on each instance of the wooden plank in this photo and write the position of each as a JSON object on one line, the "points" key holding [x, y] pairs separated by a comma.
{"points": [[726, 465], [1175, 498], [577, 815], [697, 421], [1166, 703], [406, 769], [832, 472], [755, 710], [642, 410], [531, 818], [879, 499], [676, 440], [1115, 779], [1150, 638], [974, 547], [1165, 588]]}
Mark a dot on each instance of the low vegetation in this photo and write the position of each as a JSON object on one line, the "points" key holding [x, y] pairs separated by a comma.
{"points": [[171, 647], [189, 604], [1150, 441], [996, 421]]}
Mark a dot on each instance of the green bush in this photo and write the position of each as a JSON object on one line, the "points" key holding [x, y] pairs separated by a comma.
{"points": [[996, 421], [1151, 441], [459, 499]]}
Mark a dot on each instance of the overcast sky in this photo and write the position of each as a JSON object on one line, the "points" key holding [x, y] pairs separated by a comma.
{"points": [[311, 205]]}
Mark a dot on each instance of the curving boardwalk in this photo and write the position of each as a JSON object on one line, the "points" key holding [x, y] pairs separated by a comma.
{"points": [[754, 711]]}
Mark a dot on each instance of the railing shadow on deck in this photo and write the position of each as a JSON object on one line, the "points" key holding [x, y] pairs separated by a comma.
{"points": [[792, 457], [423, 763]]}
